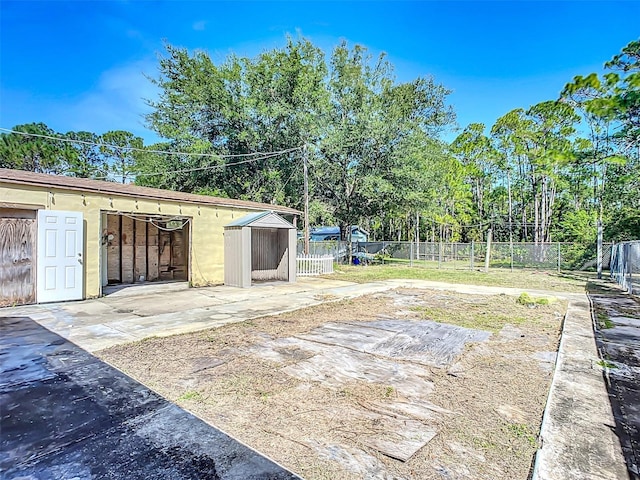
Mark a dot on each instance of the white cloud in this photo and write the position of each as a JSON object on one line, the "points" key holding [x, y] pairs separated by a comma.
{"points": [[116, 103]]}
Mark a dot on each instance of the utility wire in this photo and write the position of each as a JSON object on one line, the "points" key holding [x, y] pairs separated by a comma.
{"points": [[211, 167], [134, 149], [455, 224]]}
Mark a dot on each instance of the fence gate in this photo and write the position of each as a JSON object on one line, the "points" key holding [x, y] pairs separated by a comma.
{"points": [[625, 265]]}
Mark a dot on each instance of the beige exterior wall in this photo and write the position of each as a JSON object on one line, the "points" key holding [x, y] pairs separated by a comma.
{"points": [[206, 262]]}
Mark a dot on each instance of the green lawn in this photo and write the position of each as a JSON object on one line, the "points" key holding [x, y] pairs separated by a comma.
{"points": [[529, 279]]}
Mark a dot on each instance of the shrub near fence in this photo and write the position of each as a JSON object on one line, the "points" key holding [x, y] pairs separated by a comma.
{"points": [[464, 256], [625, 265]]}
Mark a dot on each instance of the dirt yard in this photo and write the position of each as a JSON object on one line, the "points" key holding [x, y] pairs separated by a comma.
{"points": [[409, 384]]}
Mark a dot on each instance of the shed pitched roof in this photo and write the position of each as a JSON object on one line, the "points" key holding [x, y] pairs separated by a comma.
{"points": [[21, 177], [261, 219]]}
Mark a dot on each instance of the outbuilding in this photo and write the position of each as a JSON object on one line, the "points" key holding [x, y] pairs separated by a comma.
{"points": [[257, 248], [65, 238]]}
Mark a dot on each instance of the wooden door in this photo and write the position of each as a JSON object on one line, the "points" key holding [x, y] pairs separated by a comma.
{"points": [[17, 261]]}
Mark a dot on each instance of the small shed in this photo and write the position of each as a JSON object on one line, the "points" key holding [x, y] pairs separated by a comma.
{"points": [[259, 247]]}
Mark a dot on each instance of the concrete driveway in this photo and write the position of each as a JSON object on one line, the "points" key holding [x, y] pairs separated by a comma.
{"points": [[67, 415]]}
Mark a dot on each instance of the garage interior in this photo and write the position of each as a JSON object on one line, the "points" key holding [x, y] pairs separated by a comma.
{"points": [[145, 248]]}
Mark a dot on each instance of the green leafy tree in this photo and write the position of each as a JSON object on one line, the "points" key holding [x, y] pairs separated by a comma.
{"points": [[625, 100], [83, 157], [38, 151], [243, 106], [349, 111], [476, 153], [121, 149], [369, 116], [610, 107]]}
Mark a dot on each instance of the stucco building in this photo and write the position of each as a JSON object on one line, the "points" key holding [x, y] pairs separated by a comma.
{"points": [[65, 238]]}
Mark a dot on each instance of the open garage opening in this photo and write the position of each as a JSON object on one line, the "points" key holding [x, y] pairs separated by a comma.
{"points": [[140, 248]]}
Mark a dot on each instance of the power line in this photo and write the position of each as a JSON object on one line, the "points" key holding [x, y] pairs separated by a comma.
{"points": [[210, 167], [135, 149], [448, 224]]}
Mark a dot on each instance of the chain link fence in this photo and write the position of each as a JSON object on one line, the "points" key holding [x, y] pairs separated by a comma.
{"points": [[465, 256], [625, 265]]}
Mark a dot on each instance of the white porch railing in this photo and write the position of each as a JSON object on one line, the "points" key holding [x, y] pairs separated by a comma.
{"points": [[309, 265]]}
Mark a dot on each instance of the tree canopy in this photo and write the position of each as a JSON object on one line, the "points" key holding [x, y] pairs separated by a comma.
{"points": [[349, 111], [37, 148], [241, 128]]}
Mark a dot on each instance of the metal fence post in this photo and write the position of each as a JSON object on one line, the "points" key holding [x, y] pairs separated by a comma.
{"points": [[599, 253], [411, 254], [471, 257], [558, 257], [487, 256]]}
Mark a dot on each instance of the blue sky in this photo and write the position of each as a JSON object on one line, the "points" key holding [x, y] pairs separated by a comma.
{"points": [[81, 65]]}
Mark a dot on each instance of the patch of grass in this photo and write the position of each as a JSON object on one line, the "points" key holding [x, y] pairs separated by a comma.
{"points": [[521, 430], [603, 320], [606, 364], [529, 301], [491, 321], [534, 279], [628, 312], [484, 444], [490, 315], [191, 395]]}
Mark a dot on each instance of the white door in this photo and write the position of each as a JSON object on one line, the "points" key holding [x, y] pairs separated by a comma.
{"points": [[59, 258]]}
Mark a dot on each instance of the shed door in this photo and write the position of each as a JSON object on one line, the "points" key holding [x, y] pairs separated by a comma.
{"points": [[59, 262]]}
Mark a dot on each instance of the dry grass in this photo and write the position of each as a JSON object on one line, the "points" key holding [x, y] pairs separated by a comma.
{"points": [[501, 277], [496, 389]]}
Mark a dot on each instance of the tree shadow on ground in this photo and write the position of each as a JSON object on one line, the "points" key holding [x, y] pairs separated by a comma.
{"points": [[576, 276]]}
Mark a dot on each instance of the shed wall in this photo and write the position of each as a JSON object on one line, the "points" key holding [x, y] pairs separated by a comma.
{"points": [[236, 264], [292, 252], [206, 255]]}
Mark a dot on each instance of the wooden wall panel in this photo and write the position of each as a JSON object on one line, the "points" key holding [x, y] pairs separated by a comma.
{"points": [[139, 251], [153, 255], [166, 273], [17, 266], [17, 213], [113, 249], [178, 254], [140, 264], [126, 247]]}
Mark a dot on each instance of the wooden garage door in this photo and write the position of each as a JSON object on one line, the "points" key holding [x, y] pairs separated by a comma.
{"points": [[17, 261]]}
